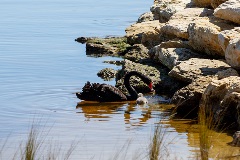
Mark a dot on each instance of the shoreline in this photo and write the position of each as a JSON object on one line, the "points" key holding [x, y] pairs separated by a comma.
{"points": [[195, 62]]}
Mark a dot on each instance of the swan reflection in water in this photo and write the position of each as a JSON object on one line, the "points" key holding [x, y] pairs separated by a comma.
{"points": [[134, 114]]}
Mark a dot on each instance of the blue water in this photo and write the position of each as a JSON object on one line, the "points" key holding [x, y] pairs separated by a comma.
{"points": [[41, 67]]}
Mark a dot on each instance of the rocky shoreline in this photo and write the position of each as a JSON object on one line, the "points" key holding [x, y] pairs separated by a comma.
{"points": [[191, 51]]}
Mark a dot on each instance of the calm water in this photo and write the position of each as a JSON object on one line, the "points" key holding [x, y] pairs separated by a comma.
{"points": [[41, 67]]}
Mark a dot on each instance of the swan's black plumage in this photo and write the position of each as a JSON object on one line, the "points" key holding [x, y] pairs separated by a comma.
{"points": [[108, 93]]}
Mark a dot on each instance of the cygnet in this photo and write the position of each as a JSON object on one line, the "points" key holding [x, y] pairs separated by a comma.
{"points": [[141, 99]]}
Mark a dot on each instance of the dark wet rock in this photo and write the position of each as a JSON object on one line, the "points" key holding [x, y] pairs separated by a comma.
{"points": [[149, 71], [107, 74], [164, 85], [137, 53], [187, 99], [104, 46], [84, 39], [236, 139], [145, 17]]}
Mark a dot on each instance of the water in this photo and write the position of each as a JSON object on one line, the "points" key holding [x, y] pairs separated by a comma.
{"points": [[41, 67]]}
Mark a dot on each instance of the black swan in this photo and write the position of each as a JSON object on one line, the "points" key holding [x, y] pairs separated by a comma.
{"points": [[108, 93], [141, 100]]}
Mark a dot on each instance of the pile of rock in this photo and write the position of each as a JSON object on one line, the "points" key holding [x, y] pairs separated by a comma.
{"points": [[194, 46], [199, 42]]}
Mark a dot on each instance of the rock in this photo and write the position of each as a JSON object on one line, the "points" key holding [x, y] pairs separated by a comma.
{"points": [[105, 46], [216, 3], [222, 99], [171, 57], [229, 10], [187, 99], [164, 9], [137, 53], [145, 17], [226, 73], [107, 74], [202, 3], [176, 43], [232, 54], [189, 70], [236, 139], [162, 12], [149, 71], [188, 15], [164, 85], [203, 35], [146, 33], [225, 36]]}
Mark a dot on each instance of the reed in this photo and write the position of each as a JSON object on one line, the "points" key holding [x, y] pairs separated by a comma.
{"points": [[158, 146], [36, 146], [206, 127]]}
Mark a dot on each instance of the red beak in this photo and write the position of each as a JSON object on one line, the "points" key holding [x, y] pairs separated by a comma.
{"points": [[151, 86]]}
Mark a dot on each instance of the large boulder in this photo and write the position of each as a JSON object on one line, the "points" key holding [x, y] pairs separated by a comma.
{"points": [[203, 35], [146, 33], [171, 57], [222, 100], [230, 43], [230, 10], [188, 15], [232, 54], [189, 70], [164, 9], [225, 36]]}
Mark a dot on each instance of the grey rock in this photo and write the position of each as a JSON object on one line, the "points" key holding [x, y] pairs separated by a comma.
{"points": [[194, 68], [145, 17], [171, 57]]}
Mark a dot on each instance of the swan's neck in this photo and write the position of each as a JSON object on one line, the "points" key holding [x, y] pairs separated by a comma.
{"points": [[133, 93]]}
